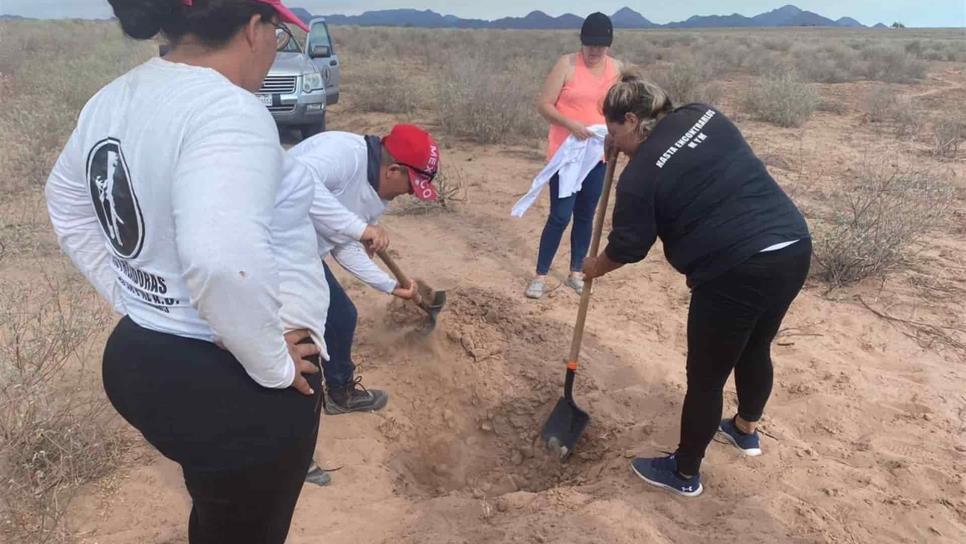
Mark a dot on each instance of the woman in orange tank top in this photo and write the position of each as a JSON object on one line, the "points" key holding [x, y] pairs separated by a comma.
{"points": [[571, 101]]}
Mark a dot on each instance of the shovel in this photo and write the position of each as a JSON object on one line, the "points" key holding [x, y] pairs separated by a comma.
{"points": [[430, 301], [567, 421]]}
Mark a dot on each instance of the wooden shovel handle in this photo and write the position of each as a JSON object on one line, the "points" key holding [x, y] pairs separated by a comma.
{"points": [[394, 268], [594, 247]]}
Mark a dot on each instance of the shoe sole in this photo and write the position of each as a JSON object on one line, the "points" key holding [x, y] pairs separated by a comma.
{"points": [[752, 452], [676, 491], [333, 409]]}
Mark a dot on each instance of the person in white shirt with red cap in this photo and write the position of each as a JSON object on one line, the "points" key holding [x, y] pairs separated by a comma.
{"points": [[363, 173], [170, 199]]}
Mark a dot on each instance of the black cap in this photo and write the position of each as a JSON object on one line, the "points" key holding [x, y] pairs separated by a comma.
{"points": [[597, 30]]}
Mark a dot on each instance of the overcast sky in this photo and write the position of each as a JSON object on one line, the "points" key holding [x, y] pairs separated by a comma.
{"points": [[924, 13]]}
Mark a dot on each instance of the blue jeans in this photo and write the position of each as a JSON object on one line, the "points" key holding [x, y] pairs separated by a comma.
{"points": [[581, 206], [340, 327]]}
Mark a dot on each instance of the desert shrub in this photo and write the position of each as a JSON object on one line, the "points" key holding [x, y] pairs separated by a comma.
{"points": [[55, 430], [831, 63], [762, 61], [937, 50], [882, 105], [639, 52], [490, 104], [783, 100], [782, 45], [384, 87], [453, 190], [721, 56], [689, 81], [891, 64], [877, 219], [907, 119], [948, 134], [885, 107]]}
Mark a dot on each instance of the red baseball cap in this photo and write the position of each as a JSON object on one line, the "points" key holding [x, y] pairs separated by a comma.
{"points": [[415, 149], [284, 14]]}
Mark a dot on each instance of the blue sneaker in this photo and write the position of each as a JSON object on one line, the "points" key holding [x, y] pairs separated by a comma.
{"points": [[663, 472], [749, 444]]}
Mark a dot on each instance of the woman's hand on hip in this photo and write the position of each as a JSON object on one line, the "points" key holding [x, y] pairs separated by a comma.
{"points": [[299, 352]]}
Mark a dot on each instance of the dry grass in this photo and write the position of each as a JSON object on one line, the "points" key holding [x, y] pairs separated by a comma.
{"points": [[58, 66], [452, 187], [783, 100], [56, 427], [690, 81], [886, 108], [480, 85], [876, 222], [486, 104], [947, 135]]}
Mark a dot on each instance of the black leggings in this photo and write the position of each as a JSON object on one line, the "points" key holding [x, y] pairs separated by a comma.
{"points": [[731, 324], [244, 449]]}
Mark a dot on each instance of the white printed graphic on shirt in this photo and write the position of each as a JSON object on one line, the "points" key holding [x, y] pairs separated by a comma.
{"points": [[113, 197], [686, 140]]}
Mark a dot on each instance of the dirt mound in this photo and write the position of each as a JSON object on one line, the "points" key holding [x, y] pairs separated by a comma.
{"points": [[484, 386]]}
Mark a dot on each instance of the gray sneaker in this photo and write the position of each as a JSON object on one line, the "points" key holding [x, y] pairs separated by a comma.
{"points": [[576, 283], [318, 476], [354, 397], [534, 289]]}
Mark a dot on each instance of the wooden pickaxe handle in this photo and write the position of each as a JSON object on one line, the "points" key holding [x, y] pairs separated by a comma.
{"points": [[394, 268]]}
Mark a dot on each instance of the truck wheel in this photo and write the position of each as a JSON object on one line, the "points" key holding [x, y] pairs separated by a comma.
{"points": [[311, 130]]}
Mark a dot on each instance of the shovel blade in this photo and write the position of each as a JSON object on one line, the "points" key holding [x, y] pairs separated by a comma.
{"points": [[564, 427], [432, 307]]}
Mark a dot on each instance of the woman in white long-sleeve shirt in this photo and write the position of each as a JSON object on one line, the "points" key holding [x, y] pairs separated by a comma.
{"points": [[168, 198]]}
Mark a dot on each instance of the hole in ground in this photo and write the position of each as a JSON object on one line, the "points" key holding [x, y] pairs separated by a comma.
{"points": [[476, 402]]}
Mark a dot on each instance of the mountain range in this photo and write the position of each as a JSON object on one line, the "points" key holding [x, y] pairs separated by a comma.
{"points": [[786, 16]]}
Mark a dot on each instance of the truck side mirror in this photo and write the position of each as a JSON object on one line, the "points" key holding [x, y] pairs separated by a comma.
{"points": [[320, 51]]}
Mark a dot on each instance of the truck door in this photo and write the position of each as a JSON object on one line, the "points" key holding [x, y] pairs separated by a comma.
{"points": [[320, 49]]}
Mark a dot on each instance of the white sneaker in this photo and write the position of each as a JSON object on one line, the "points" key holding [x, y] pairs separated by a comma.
{"points": [[576, 283], [534, 289]]}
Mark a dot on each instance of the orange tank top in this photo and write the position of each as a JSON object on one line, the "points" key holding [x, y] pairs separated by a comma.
{"points": [[581, 99]]}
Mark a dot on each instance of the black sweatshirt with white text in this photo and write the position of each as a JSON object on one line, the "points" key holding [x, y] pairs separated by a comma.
{"points": [[697, 185]]}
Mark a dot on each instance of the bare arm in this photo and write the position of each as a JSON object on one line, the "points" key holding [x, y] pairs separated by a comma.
{"points": [[546, 101]]}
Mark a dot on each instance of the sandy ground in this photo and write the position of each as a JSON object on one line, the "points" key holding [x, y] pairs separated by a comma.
{"points": [[866, 430]]}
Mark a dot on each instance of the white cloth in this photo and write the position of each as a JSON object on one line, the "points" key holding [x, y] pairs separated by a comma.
{"points": [[166, 197], [345, 202], [572, 162]]}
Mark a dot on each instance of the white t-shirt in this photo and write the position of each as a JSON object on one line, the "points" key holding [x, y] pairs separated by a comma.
{"points": [[165, 197], [339, 163]]}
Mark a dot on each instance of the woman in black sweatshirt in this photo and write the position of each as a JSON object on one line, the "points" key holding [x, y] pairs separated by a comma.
{"points": [[745, 249]]}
